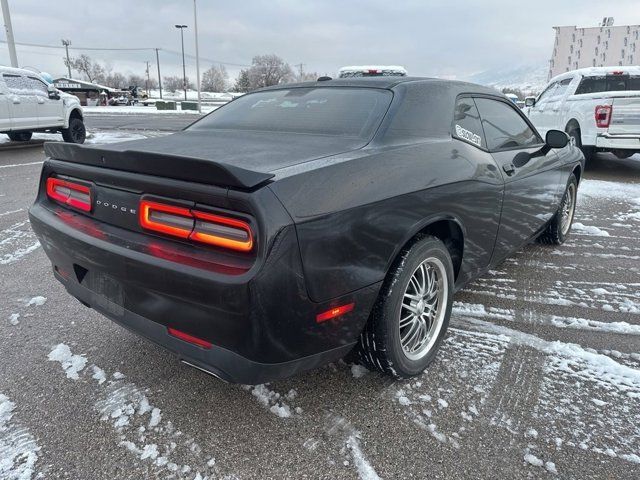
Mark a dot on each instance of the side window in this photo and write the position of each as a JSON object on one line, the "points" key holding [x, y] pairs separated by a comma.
{"points": [[503, 126], [466, 123], [547, 92], [562, 87], [39, 87], [14, 82]]}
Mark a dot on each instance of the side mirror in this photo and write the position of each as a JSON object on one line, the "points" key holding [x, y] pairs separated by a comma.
{"points": [[529, 101], [556, 139], [53, 92]]}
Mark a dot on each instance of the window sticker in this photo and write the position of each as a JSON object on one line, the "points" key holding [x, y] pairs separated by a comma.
{"points": [[468, 136]]}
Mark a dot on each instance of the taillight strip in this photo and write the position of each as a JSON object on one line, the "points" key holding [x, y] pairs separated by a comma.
{"points": [[69, 193], [222, 231], [177, 222], [196, 225]]}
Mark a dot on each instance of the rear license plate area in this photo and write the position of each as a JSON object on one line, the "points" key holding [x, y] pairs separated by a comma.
{"points": [[108, 292]]}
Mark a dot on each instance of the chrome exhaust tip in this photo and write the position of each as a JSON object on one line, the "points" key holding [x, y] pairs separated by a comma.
{"points": [[208, 372]]}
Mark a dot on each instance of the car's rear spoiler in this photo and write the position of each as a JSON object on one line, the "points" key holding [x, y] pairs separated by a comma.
{"points": [[177, 167]]}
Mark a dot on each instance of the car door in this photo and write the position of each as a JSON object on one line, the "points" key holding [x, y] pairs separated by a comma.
{"points": [[5, 112], [23, 103], [538, 114], [553, 106], [532, 174], [50, 111]]}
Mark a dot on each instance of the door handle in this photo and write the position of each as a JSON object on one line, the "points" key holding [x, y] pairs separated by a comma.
{"points": [[40, 100], [15, 100], [509, 169]]}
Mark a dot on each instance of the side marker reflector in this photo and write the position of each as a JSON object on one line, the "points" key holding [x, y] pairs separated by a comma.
{"points": [[189, 338], [334, 312]]}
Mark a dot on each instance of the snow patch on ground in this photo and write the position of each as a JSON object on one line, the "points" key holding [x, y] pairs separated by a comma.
{"points": [[71, 364], [358, 371], [14, 318], [270, 399], [138, 424], [363, 467], [589, 230], [37, 301], [18, 447]]}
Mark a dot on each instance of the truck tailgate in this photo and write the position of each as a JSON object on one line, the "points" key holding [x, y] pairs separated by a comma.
{"points": [[625, 117]]}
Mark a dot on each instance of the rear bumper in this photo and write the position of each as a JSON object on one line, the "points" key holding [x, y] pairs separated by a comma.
{"points": [[611, 141], [261, 323]]}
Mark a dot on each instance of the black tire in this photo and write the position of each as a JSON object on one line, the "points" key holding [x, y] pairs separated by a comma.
{"points": [[380, 346], [576, 137], [76, 133], [554, 233], [622, 154], [19, 136]]}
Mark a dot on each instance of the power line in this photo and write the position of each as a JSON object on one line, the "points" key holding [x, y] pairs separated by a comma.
{"points": [[133, 49]]}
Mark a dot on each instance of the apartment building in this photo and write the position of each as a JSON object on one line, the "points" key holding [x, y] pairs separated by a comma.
{"points": [[603, 46]]}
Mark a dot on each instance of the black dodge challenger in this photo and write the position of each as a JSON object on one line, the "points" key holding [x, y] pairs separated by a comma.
{"points": [[299, 222]]}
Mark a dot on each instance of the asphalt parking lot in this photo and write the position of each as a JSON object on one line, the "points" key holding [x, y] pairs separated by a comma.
{"points": [[539, 376]]}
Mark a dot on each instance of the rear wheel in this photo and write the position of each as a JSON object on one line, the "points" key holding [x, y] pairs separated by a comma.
{"points": [[622, 154], [410, 319], [576, 139], [76, 133], [560, 225], [19, 136]]}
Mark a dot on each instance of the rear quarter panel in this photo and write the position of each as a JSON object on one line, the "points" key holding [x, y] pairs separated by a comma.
{"points": [[353, 216]]}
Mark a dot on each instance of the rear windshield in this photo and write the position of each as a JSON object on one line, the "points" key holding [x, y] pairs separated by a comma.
{"points": [[343, 112], [608, 83]]}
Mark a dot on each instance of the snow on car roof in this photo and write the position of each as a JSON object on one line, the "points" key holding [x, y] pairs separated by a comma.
{"points": [[597, 71]]}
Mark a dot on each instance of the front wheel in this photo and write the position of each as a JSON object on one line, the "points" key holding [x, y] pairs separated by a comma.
{"points": [[410, 319], [19, 136], [559, 227], [76, 133]]}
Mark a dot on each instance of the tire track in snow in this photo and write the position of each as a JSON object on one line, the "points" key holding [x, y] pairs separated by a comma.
{"points": [[140, 427], [18, 448]]}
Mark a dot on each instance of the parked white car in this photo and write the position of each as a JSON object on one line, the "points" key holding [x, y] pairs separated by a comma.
{"points": [[28, 104], [598, 107]]}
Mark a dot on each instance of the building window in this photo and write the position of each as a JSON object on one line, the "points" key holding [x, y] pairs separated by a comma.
{"points": [[622, 53], [620, 63], [598, 39], [604, 56], [571, 48], [609, 33], [596, 51], [578, 54], [573, 37], [628, 30], [569, 60], [625, 41], [594, 62], [580, 43]]}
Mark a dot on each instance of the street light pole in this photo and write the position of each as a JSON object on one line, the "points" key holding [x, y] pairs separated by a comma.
{"points": [[195, 25], [11, 43], [159, 79], [66, 44], [184, 68]]}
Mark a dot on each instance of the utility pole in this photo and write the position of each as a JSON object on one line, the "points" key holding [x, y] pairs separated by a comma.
{"points": [[11, 43], [195, 26], [184, 68], [146, 87], [159, 78], [66, 44], [300, 66]]}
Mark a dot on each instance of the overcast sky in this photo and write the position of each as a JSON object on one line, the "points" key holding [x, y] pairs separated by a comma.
{"points": [[452, 38]]}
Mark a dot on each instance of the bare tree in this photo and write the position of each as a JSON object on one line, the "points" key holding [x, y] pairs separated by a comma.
{"points": [[267, 70], [136, 80], [116, 80], [215, 79], [83, 64], [174, 83]]}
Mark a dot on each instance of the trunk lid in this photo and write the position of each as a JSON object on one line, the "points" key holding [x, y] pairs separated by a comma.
{"points": [[228, 158]]}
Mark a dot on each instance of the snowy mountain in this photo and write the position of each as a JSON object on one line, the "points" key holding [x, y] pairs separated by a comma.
{"points": [[530, 78]]}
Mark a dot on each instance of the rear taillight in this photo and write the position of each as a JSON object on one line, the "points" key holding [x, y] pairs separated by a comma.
{"points": [[69, 193], [213, 229], [189, 338], [603, 115]]}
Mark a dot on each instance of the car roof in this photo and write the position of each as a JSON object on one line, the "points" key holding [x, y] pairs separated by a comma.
{"points": [[389, 83], [17, 71], [596, 72]]}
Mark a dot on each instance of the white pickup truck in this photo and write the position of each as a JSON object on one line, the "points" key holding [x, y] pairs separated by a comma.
{"points": [[28, 104], [598, 107]]}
